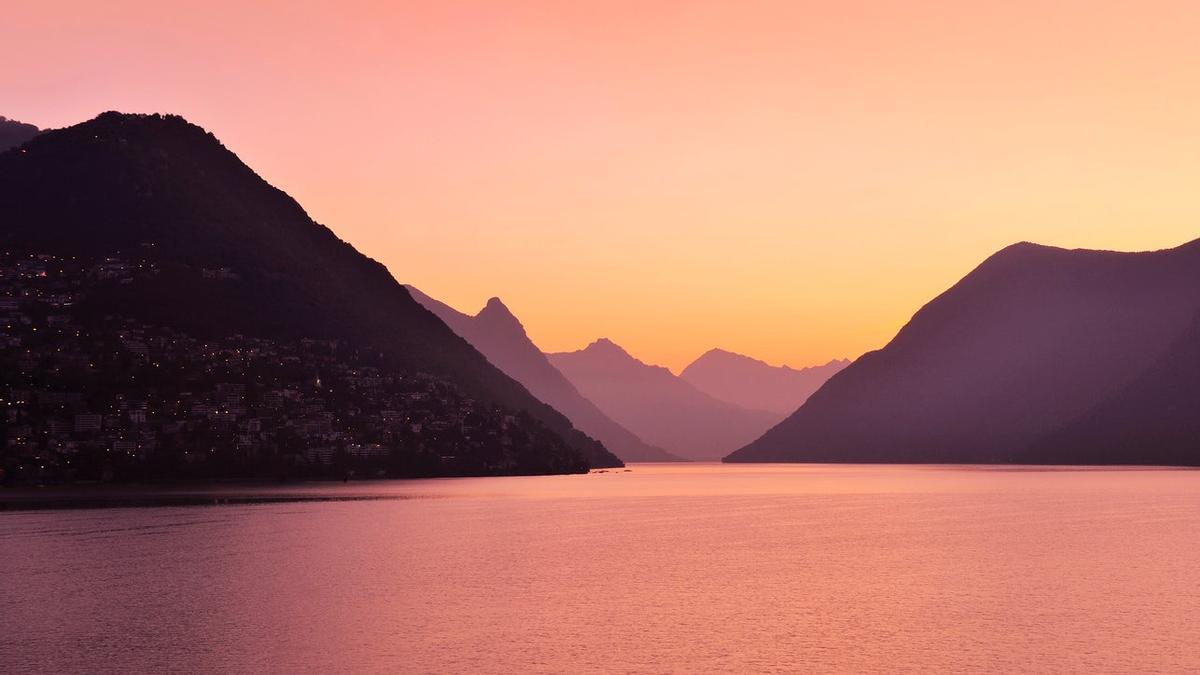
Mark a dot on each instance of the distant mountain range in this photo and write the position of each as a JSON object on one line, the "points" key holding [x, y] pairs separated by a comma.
{"points": [[750, 383], [168, 191], [499, 336], [1040, 355], [14, 133], [658, 406]]}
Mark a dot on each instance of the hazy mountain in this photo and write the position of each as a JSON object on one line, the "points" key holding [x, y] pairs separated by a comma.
{"points": [[157, 183], [1028, 342], [14, 133], [499, 336], [658, 406], [757, 385]]}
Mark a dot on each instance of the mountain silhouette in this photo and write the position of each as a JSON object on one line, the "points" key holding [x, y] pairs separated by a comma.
{"points": [[658, 406], [1153, 420], [160, 184], [754, 384], [1023, 346], [499, 336], [14, 133]]}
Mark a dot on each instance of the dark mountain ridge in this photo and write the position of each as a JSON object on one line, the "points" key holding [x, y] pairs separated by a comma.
{"points": [[1026, 343], [14, 133], [148, 182]]}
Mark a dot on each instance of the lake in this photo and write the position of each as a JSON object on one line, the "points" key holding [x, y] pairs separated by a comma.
{"points": [[662, 568]]}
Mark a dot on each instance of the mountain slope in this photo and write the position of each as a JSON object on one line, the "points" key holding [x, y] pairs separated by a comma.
{"points": [[158, 183], [499, 336], [1153, 420], [14, 133], [658, 406], [1028, 341], [756, 385]]}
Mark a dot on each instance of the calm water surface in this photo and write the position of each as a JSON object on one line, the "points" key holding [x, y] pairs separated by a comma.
{"points": [[659, 569]]}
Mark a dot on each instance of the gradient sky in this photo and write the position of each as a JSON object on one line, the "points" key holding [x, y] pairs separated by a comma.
{"points": [[790, 180]]}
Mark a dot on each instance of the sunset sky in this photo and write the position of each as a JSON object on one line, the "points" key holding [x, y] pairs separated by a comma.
{"points": [[789, 180]]}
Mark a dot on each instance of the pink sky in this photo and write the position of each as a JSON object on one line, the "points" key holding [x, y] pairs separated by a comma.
{"points": [[789, 180]]}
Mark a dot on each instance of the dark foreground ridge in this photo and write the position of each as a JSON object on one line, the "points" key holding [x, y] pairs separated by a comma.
{"points": [[167, 313], [1040, 355], [14, 133]]}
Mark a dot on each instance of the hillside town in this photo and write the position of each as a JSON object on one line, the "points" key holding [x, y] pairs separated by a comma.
{"points": [[102, 397]]}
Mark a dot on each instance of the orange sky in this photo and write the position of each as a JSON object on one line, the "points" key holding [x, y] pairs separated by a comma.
{"points": [[789, 179]]}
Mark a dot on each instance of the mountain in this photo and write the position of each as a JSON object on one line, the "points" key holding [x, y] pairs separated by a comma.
{"points": [[1028, 342], [753, 384], [14, 133], [167, 190], [1153, 420], [658, 406], [499, 336]]}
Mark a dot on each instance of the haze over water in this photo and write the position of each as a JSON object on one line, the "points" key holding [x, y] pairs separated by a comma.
{"points": [[684, 568]]}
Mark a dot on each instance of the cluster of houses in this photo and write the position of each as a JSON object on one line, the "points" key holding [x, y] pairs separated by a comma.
{"points": [[102, 397]]}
